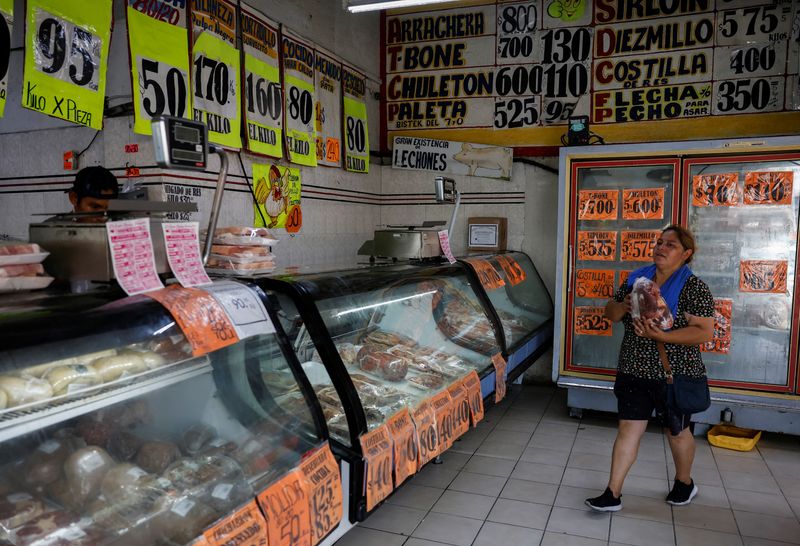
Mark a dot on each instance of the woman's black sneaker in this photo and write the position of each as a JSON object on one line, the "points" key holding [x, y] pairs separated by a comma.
{"points": [[606, 502], [682, 493]]}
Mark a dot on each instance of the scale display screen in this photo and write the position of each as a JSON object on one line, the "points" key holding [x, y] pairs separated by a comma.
{"points": [[180, 143]]}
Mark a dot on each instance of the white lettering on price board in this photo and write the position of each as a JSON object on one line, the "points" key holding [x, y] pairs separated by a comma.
{"points": [[243, 306]]}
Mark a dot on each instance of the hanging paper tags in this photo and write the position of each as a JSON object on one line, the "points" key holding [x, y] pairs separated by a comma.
{"points": [[514, 272], [132, 255], [298, 84], [499, 364], [245, 527], [376, 447], [66, 58], [328, 109], [472, 384], [182, 243], [321, 471], [444, 243], [277, 191], [285, 504], [263, 99], [159, 66], [594, 283], [768, 188], [597, 245], [488, 276], [591, 321], [215, 71], [442, 404], [715, 190], [459, 409], [644, 204], [638, 246], [598, 204], [6, 27], [765, 276], [356, 150], [425, 424], [723, 317], [200, 317], [406, 446]]}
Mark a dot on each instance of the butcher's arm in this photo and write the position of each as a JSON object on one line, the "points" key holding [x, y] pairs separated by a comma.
{"points": [[616, 310], [699, 330]]}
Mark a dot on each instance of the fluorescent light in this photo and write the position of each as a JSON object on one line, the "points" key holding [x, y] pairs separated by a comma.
{"points": [[390, 4], [379, 304]]}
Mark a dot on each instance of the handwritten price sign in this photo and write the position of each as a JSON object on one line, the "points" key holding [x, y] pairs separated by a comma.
{"points": [[594, 283], [377, 449], [285, 503], [638, 246], [321, 472], [245, 526], [589, 321], [459, 409], [715, 190], [643, 204], [472, 384], [513, 271], [406, 446], [427, 437], [723, 315], [499, 364], [442, 406], [598, 204], [764, 276], [597, 245], [488, 276], [768, 188]]}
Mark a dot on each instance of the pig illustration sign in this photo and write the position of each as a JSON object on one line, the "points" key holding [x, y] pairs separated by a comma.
{"points": [[445, 156]]}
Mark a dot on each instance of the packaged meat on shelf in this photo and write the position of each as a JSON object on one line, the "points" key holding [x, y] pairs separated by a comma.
{"points": [[113, 432], [21, 267], [241, 251]]}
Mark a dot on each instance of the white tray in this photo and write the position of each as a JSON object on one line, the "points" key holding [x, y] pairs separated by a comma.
{"points": [[22, 259], [15, 284]]}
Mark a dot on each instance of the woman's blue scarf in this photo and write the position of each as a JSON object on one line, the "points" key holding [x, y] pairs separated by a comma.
{"points": [[671, 289]]}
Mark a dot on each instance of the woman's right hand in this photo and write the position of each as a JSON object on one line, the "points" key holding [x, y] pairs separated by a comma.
{"points": [[615, 310], [626, 303]]}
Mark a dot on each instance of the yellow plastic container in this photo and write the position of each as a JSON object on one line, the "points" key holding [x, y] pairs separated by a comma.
{"points": [[730, 437]]}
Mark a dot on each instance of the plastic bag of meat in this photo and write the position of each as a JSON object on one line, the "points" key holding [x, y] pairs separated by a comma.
{"points": [[241, 235], [241, 253], [647, 303]]}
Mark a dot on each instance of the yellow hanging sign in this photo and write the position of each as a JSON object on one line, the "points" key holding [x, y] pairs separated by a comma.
{"points": [[159, 67], [328, 109], [263, 102], [66, 59], [356, 135], [277, 191], [298, 81], [6, 24]]}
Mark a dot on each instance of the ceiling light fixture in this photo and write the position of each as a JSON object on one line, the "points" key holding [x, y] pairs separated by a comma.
{"points": [[390, 4]]}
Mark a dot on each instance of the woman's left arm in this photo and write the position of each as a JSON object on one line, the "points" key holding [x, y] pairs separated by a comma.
{"points": [[698, 330]]}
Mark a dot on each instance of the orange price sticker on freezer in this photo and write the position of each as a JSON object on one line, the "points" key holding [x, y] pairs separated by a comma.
{"points": [[643, 204], [406, 446], [638, 246], [201, 318], [623, 276], [376, 446], [598, 204], [321, 472], [589, 321], [472, 384], [246, 526], [765, 276], [594, 283], [459, 409], [597, 245], [514, 272], [723, 315], [286, 507], [499, 364], [768, 188], [715, 190], [442, 404], [427, 437], [488, 276]]}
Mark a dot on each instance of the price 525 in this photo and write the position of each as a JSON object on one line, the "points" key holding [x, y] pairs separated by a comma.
{"points": [[517, 112]]}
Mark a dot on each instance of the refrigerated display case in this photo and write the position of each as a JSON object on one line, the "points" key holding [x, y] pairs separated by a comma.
{"points": [[113, 432], [740, 201]]}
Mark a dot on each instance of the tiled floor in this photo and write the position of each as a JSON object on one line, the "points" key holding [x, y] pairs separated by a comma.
{"points": [[520, 478]]}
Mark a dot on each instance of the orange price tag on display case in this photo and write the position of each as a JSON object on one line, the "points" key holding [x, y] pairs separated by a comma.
{"points": [[294, 219], [488, 276], [376, 446], [514, 272], [594, 283], [246, 527], [499, 364], [286, 507], [427, 436], [321, 472], [442, 404], [589, 321], [203, 321], [406, 446], [472, 384], [598, 204], [623, 276], [597, 245], [765, 276], [638, 246], [768, 188], [715, 190], [459, 409], [643, 204], [723, 315]]}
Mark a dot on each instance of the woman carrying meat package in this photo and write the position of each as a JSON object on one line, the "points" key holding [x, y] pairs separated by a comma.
{"points": [[641, 386]]}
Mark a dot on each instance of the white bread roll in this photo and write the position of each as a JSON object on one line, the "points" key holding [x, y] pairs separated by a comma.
{"points": [[111, 368], [25, 389], [66, 379]]}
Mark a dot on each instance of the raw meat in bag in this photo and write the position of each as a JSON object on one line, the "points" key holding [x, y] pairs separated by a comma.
{"points": [[648, 304]]}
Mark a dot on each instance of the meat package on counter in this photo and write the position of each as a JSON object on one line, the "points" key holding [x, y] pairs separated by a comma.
{"points": [[647, 304], [23, 270], [242, 235], [20, 267]]}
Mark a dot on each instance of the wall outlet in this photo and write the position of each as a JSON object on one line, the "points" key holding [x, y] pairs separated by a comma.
{"points": [[70, 160]]}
